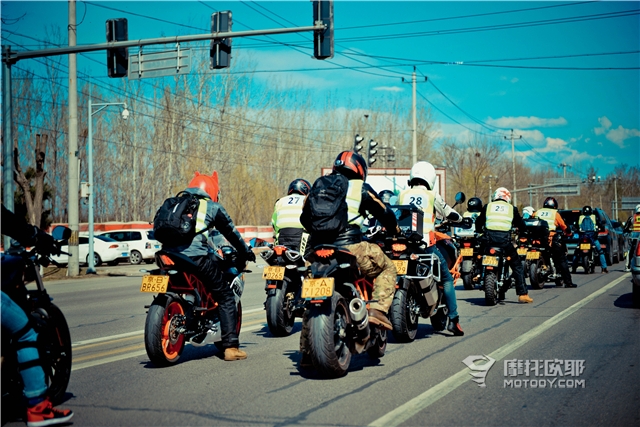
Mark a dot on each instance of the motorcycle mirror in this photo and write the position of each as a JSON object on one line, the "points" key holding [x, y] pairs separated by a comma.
{"points": [[460, 198], [61, 233]]}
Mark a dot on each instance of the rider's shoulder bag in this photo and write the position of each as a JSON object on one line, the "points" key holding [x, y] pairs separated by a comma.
{"points": [[326, 206], [175, 222]]}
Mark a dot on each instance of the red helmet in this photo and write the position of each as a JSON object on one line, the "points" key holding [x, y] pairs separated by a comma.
{"points": [[299, 186], [351, 164], [550, 203], [207, 183]]}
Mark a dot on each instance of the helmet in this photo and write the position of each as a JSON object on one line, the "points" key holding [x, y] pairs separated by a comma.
{"points": [[637, 208], [474, 204], [351, 164], [423, 173], [586, 211], [386, 196], [550, 203], [299, 186], [501, 193], [206, 183], [528, 210]]}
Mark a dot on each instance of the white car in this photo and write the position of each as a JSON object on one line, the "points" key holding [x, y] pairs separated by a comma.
{"points": [[105, 249], [142, 244]]}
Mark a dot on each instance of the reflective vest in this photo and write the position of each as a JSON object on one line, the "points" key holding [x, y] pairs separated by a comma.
{"points": [[201, 218], [593, 218], [636, 222], [499, 216], [354, 199], [548, 215], [425, 200], [286, 213], [472, 215]]}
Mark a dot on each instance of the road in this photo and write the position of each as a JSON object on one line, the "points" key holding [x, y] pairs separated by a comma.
{"points": [[591, 331]]}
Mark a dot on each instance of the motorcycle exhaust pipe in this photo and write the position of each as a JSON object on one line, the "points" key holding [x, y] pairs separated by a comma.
{"points": [[360, 318]]}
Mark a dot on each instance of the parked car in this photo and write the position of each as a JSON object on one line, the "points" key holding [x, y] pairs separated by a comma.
{"points": [[607, 236], [142, 244], [105, 249], [623, 241]]}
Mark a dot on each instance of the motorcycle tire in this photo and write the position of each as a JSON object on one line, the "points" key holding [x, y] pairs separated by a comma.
{"points": [[467, 281], [490, 291], [439, 319], [54, 345], [534, 277], [163, 344], [404, 314], [585, 264], [279, 319], [330, 352], [380, 346]]}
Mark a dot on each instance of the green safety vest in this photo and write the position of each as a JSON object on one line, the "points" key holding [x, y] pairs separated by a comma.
{"points": [[636, 222], [354, 199], [201, 218], [499, 216], [548, 215], [286, 213]]}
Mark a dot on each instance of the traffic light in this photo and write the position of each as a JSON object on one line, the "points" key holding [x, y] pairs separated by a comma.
{"points": [[221, 48], [357, 145], [117, 58], [323, 39], [372, 152]]}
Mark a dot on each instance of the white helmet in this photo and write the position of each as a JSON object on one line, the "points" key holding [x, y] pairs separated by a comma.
{"points": [[501, 193], [425, 172], [529, 210], [637, 208]]}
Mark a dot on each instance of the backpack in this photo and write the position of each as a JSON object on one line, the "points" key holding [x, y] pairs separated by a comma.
{"points": [[587, 224], [175, 222], [325, 210]]}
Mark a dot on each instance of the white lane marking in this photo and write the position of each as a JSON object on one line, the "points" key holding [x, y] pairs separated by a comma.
{"points": [[424, 400]]}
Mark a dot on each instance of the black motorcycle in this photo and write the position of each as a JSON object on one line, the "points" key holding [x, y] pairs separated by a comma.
{"points": [[283, 285], [495, 279], [538, 264], [54, 339], [585, 253]]}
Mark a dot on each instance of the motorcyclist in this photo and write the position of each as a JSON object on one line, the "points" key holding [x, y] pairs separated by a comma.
{"points": [[211, 214], [361, 201], [423, 194], [285, 220], [549, 213], [40, 410], [633, 226], [497, 219], [591, 232], [528, 212], [474, 207]]}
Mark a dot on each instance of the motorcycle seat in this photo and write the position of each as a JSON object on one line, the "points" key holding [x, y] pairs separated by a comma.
{"points": [[182, 262]]}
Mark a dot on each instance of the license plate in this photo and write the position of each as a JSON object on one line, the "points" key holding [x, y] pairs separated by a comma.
{"points": [[317, 288], [125, 254], [522, 251], [401, 267], [273, 273], [466, 252], [533, 255], [490, 260], [586, 246], [155, 284]]}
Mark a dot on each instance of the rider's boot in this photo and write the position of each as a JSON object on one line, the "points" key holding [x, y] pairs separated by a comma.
{"points": [[234, 353], [454, 327]]}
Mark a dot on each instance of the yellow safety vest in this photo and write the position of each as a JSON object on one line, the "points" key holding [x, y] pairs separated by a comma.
{"points": [[499, 216], [425, 200], [636, 222], [593, 218], [201, 218], [354, 199], [548, 215], [286, 213]]}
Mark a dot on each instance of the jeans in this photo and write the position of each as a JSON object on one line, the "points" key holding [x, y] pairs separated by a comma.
{"points": [[15, 322], [446, 279], [596, 244]]}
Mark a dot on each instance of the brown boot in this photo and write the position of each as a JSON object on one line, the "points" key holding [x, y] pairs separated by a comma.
{"points": [[234, 353], [379, 318], [525, 298]]}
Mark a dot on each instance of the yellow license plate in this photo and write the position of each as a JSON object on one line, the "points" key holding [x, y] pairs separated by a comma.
{"points": [[155, 284], [401, 267], [522, 251], [273, 273], [466, 252], [533, 255], [586, 246], [317, 288], [490, 260]]}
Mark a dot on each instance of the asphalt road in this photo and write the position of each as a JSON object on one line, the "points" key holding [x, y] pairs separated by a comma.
{"points": [[591, 332]]}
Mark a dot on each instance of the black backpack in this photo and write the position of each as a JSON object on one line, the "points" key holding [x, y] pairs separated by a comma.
{"points": [[325, 210], [175, 221]]}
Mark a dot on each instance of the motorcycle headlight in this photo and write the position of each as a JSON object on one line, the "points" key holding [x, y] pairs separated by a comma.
{"points": [[266, 254], [292, 255]]}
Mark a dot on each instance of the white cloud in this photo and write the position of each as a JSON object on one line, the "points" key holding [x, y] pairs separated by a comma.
{"points": [[389, 88], [617, 135], [606, 124], [535, 135], [514, 80], [526, 122]]}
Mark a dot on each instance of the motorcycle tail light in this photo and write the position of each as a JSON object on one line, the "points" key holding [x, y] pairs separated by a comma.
{"points": [[279, 250], [166, 260], [414, 257], [492, 251], [324, 253], [398, 247], [467, 244]]}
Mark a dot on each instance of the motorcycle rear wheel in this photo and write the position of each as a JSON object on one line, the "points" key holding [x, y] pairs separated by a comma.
{"points": [[330, 349], [377, 350], [163, 344], [490, 291], [279, 319], [467, 281], [585, 264], [534, 277], [403, 314]]}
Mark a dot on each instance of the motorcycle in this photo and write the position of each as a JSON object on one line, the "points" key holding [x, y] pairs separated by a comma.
{"points": [[539, 266], [585, 252], [494, 278], [54, 339], [283, 286], [335, 324], [183, 309], [468, 244]]}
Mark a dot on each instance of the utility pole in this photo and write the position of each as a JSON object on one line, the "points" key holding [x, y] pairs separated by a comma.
{"points": [[414, 147], [73, 267], [564, 167], [513, 167], [490, 177], [615, 197]]}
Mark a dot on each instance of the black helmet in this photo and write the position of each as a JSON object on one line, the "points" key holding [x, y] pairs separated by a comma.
{"points": [[351, 164], [586, 211], [386, 195], [299, 186], [550, 203], [474, 204]]}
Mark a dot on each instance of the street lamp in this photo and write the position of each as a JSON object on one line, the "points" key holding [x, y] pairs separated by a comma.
{"points": [[91, 269]]}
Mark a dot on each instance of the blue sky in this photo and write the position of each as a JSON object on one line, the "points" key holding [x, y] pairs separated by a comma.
{"points": [[565, 76]]}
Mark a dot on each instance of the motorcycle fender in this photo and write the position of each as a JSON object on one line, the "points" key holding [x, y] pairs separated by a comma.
{"points": [[467, 266], [271, 292], [402, 283], [272, 285]]}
